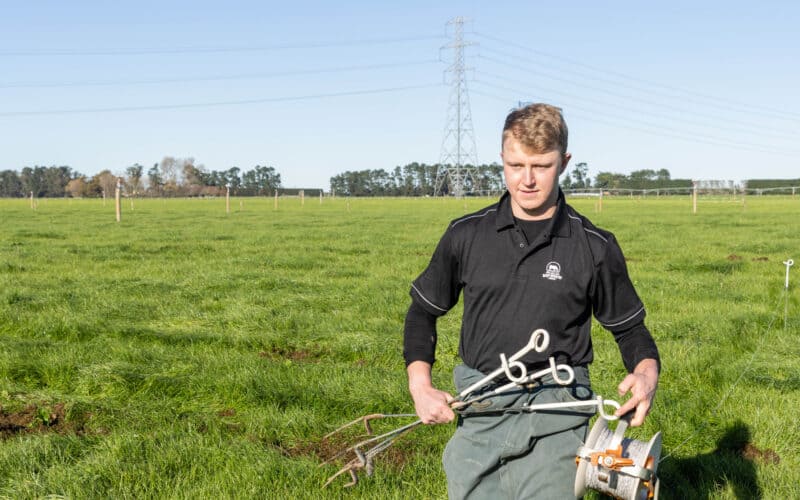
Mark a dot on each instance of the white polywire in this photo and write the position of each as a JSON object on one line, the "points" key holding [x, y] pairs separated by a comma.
{"points": [[626, 486], [732, 387]]}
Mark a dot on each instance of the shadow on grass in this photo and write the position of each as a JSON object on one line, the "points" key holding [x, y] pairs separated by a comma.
{"points": [[731, 464]]}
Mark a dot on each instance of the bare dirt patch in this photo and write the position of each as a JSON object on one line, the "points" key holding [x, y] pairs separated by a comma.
{"points": [[38, 419], [331, 448], [734, 257], [760, 259], [768, 456], [312, 354]]}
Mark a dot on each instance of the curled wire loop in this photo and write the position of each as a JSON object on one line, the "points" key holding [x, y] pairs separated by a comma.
{"points": [[538, 342]]}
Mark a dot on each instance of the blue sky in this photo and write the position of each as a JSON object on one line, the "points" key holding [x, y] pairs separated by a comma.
{"points": [[313, 89]]}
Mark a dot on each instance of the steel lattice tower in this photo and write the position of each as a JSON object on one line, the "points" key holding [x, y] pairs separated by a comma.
{"points": [[458, 142]]}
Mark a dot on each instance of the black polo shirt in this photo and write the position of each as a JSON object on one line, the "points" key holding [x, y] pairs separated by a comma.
{"points": [[570, 271]]}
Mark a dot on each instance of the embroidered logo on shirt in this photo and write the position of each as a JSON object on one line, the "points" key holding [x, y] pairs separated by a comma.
{"points": [[552, 271]]}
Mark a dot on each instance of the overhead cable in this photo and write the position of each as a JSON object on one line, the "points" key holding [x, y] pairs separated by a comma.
{"points": [[215, 103], [700, 98], [686, 115], [246, 76], [657, 129], [207, 50]]}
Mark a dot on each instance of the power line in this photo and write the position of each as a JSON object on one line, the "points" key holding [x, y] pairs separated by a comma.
{"points": [[208, 50], [216, 103], [763, 110], [660, 104], [247, 76], [657, 129], [750, 131]]}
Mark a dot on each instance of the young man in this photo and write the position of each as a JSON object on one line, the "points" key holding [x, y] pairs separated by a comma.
{"points": [[529, 261]]}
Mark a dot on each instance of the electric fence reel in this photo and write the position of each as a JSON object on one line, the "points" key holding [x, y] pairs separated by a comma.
{"points": [[618, 466]]}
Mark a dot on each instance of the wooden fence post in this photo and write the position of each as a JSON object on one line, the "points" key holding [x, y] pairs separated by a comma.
{"points": [[276, 199], [227, 199], [302, 198], [694, 197], [117, 202]]}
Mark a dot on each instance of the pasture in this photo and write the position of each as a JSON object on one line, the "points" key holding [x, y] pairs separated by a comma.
{"points": [[187, 352]]}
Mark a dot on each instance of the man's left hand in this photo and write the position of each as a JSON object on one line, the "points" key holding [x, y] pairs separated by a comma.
{"points": [[642, 385]]}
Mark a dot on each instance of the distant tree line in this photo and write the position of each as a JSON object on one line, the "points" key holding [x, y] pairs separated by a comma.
{"points": [[577, 178], [183, 177], [772, 183], [414, 179], [169, 177]]}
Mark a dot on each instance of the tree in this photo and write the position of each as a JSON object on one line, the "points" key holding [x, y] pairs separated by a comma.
{"points": [[32, 180], [155, 180], [610, 180], [169, 172], [103, 184], [261, 180], [192, 177], [10, 184], [55, 180], [566, 182], [134, 179], [580, 176], [232, 179], [76, 187]]}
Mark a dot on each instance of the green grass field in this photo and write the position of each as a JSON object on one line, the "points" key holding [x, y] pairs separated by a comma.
{"points": [[189, 353]]}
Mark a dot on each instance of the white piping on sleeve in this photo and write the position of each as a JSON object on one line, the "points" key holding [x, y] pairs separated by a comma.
{"points": [[473, 216], [588, 230], [610, 325], [426, 300]]}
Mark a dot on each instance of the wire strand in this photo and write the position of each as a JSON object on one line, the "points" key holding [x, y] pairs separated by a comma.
{"points": [[208, 50], [724, 398], [216, 103], [246, 76]]}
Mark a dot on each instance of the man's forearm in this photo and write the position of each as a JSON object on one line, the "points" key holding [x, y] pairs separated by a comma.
{"points": [[419, 375]]}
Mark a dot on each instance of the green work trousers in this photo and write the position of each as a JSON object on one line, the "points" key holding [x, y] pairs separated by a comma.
{"points": [[498, 452]]}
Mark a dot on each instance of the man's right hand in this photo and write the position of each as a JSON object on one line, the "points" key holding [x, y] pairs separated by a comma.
{"points": [[431, 404]]}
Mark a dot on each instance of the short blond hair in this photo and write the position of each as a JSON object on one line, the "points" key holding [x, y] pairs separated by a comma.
{"points": [[538, 127]]}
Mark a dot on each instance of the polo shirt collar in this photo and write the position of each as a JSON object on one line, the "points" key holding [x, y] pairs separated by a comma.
{"points": [[559, 225]]}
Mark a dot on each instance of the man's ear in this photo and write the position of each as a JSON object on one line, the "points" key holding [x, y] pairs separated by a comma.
{"points": [[564, 161]]}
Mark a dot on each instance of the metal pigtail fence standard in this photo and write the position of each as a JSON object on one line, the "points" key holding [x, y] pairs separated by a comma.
{"points": [[629, 458]]}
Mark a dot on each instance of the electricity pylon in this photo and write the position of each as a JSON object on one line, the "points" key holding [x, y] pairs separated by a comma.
{"points": [[458, 142]]}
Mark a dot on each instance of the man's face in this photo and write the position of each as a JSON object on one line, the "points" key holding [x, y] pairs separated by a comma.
{"points": [[532, 179]]}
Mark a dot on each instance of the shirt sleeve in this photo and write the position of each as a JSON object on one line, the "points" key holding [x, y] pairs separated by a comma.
{"points": [[618, 308], [419, 335], [614, 300], [635, 344], [437, 289]]}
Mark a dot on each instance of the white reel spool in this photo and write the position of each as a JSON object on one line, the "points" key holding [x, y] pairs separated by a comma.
{"points": [[618, 466]]}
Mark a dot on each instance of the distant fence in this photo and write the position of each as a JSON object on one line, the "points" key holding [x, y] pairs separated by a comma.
{"points": [[736, 190]]}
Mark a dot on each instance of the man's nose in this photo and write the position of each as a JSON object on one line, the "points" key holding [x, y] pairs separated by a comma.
{"points": [[529, 177]]}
